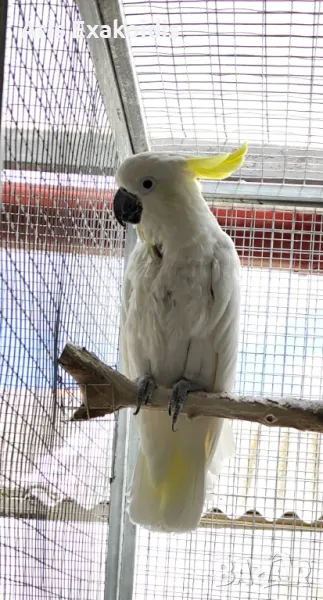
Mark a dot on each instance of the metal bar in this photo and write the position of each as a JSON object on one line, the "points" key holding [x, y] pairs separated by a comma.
{"points": [[105, 73], [265, 164], [45, 156], [111, 58], [289, 522], [3, 30], [113, 54], [112, 11], [117, 82], [117, 506], [32, 508], [127, 565], [19, 508], [262, 193], [122, 533], [116, 78]]}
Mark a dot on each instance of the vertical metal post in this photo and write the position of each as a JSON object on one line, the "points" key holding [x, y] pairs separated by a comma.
{"points": [[112, 62], [117, 507], [127, 558], [3, 31], [122, 533]]}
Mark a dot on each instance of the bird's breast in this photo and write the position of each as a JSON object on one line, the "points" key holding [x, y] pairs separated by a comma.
{"points": [[169, 305]]}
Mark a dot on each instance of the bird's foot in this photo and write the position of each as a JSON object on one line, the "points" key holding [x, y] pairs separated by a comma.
{"points": [[146, 386], [179, 393]]}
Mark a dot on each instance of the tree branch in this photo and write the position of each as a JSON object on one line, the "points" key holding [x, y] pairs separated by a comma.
{"points": [[105, 391]]}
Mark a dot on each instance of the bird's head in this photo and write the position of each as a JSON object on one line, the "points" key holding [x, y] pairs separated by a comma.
{"points": [[158, 187]]}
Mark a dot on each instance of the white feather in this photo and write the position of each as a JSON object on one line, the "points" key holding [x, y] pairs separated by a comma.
{"points": [[180, 319]]}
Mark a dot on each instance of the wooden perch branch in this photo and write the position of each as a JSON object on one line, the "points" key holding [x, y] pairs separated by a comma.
{"points": [[105, 391]]}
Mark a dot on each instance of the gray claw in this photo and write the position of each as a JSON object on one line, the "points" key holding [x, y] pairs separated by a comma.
{"points": [[180, 391], [146, 386]]}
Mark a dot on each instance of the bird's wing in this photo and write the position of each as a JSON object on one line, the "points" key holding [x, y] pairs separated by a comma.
{"points": [[226, 291], [126, 294], [210, 360], [225, 286]]}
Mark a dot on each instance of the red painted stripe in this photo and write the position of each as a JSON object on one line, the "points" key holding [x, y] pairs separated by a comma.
{"points": [[282, 238], [29, 194]]}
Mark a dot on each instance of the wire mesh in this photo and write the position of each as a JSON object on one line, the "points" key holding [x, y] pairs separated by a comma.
{"points": [[249, 71], [240, 70], [236, 71], [61, 274]]}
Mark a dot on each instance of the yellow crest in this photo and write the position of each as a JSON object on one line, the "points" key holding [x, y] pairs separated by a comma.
{"points": [[217, 167]]}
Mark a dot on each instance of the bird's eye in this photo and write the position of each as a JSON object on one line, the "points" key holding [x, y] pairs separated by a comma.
{"points": [[147, 185]]}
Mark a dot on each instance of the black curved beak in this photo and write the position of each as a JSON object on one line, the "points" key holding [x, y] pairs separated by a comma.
{"points": [[127, 207]]}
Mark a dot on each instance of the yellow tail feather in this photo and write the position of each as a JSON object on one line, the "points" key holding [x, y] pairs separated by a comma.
{"points": [[178, 475]]}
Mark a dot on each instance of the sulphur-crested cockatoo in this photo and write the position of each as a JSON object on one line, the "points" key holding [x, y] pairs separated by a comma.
{"points": [[179, 329]]}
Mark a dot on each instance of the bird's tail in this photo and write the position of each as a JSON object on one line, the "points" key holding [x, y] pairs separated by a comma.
{"points": [[175, 503]]}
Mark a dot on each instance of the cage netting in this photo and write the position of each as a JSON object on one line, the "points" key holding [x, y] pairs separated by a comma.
{"points": [[61, 275]]}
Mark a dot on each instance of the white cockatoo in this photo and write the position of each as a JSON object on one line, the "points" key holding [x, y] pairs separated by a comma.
{"points": [[179, 330]]}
